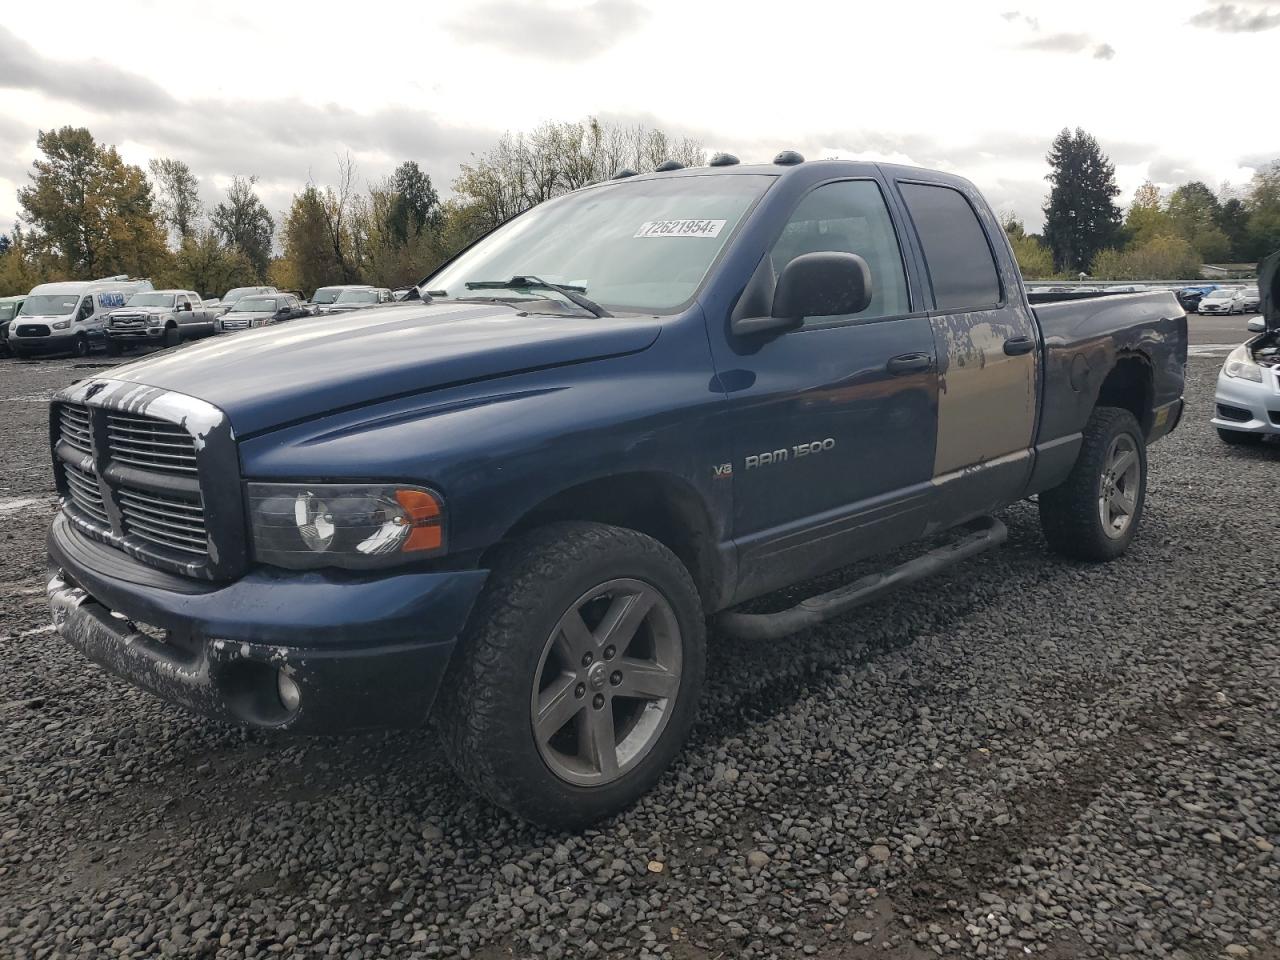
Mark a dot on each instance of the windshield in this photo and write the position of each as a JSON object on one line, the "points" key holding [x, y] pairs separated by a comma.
{"points": [[234, 295], [7, 311], [358, 296], [326, 295], [254, 305], [639, 246], [150, 300], [49, 305]]}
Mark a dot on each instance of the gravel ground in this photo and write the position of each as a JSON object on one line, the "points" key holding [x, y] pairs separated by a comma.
{"points": [[1026, 756]]}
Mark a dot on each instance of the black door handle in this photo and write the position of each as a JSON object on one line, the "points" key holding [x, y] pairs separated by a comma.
{"points": [[1017, 346], [909, 363]]}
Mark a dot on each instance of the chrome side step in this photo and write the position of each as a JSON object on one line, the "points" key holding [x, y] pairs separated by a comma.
{"points": [[980, 535]]}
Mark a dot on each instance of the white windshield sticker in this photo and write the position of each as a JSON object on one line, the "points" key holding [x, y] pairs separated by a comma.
{"points": [[680, 228]]}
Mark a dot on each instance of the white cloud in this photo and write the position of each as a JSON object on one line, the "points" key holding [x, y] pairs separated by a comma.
{"points": [[279, 93]]}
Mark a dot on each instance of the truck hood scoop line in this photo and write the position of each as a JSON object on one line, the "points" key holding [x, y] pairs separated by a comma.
{"points": [[288, 373]]}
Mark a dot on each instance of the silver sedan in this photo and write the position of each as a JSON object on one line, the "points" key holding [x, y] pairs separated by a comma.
{"points": [[1247, 402]]}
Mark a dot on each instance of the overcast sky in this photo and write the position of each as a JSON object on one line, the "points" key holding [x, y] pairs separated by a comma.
{"points": [[1175, 90]]}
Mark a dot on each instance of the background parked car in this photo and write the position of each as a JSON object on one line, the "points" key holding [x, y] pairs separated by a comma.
{"points": [[324, 297], [1248, 301], [1221, 300], [159, 316], [341, 299], [236, 293], [261, 310], [69, 317], [9, 307], [360, 298], [1189, 297]]}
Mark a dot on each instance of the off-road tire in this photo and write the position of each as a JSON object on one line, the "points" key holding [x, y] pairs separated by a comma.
{"points": [[483, 710], [1069, 514], [1238, 438]]}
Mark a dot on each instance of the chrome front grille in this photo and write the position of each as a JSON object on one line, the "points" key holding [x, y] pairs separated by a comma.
{"points": [[150, 443], [85, 494], [73, 424], [151, 499], [164, 520]]}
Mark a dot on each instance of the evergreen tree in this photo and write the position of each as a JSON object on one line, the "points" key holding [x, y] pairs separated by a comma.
{"points": [[245, 224], [415, 204], [1081, 216]]}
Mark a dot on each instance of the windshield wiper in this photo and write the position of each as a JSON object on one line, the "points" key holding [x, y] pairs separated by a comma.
{"points": [[570, 293]]}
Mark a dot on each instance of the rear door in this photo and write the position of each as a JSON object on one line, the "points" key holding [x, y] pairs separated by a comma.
{"points": [[833, 424], [988, 352]]}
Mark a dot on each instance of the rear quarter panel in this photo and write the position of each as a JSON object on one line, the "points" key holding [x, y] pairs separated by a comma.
{"points": [[1085, 339]]}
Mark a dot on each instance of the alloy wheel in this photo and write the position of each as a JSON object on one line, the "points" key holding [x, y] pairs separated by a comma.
{"points": [[606, 682]]}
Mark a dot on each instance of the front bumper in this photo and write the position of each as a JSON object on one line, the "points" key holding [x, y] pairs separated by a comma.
{"points": [[54, 343], [1248, 406], [362, 651], [135, 333]]}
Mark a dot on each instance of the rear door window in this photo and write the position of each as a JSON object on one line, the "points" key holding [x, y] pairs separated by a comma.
{"points": [[961, 266]]}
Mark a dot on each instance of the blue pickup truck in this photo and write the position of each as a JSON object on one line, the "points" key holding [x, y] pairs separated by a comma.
{"points": [[509, 511]]}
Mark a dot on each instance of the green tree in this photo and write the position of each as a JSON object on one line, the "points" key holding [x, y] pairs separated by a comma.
{"points": [[1163, 258], [1233, 221], [205, 264], [89, 209], [1146, 218], [414, 206], [1263, 204], [1034, 259], [1081, 217], [177, 194], [1194, 211], [244, 223], [20, 270], [308, 260]]}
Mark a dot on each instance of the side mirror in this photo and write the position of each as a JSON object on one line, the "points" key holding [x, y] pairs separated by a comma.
{"points": [[1257, 325], [823, 284]]}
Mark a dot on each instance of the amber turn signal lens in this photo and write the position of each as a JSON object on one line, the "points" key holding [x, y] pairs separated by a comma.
{"points": [[425, 515]]}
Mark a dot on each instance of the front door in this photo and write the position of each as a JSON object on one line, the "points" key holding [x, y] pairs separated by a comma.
{"points": [[988, 353], [834, 424]]}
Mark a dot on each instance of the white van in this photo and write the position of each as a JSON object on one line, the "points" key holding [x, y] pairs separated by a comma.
{"points": [[69, 317]]}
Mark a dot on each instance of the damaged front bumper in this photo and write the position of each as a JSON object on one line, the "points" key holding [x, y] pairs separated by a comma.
{"points": [[313, 652]]}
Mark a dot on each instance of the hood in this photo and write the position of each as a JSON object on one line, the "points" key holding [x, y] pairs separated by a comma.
{"points": [[139, 311], [1269, 290], [286, 373]]}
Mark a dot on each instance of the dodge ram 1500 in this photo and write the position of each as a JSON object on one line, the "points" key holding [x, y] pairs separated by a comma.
{"points": [[512, 508]]}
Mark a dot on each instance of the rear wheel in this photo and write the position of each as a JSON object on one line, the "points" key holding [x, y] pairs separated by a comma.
{"points": [[1094, 513], [1238, 438], [579, 674]]}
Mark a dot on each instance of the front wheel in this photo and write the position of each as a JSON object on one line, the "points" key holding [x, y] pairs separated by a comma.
{"points": [[1238, 438], [80, 345], [578, 677], [172, 337], [1094, 513], [114, 348]]}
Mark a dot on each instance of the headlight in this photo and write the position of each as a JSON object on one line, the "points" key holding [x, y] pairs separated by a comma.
{"points": [[154, 321], [61, 324], [304, 526], [1241, 366]]}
